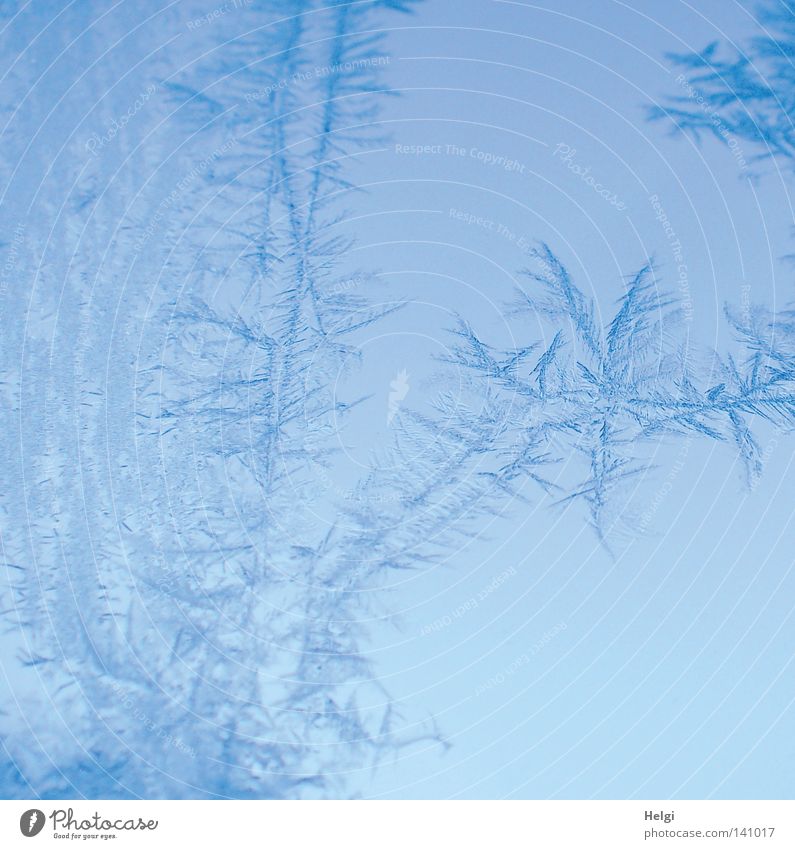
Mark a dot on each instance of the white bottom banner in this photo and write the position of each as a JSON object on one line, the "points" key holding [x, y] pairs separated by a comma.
{"points": [[401, 824]]}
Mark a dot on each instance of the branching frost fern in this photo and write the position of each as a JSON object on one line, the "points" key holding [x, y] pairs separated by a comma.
{"points": [[211, 633]]}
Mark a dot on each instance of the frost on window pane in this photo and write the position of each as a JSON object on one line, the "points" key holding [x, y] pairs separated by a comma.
{"points": [[188, 599], [742, 94], [189, 624], [608, 394]]}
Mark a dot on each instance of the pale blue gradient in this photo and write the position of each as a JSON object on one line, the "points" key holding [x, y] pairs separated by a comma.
{"points": [[531, 659]]}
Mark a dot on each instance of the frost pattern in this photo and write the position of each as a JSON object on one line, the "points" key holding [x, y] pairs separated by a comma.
{"points": [[209, 628], [207, 642], [607, 395], [742, 94]]}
